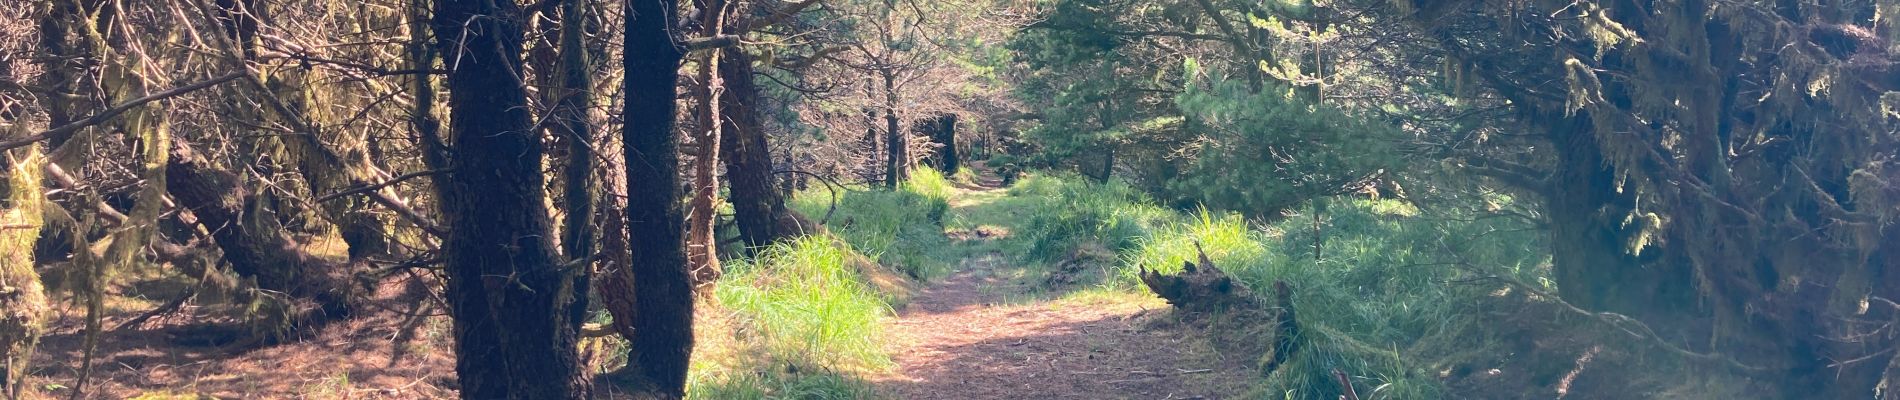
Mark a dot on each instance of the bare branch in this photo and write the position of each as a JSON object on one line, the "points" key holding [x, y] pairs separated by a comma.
{"points": [[103, 116]]}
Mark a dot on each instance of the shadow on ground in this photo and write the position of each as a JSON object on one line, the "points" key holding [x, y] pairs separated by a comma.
{"points": [[395, 349]]}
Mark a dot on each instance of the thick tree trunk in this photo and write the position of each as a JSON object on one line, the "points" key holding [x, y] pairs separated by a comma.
{"points": [[757, 205], [254, 243], [660, 284], [943, 130], [507, 292]]}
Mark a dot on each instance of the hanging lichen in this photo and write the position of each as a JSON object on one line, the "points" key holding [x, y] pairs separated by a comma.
{"points": [[23, 308]]}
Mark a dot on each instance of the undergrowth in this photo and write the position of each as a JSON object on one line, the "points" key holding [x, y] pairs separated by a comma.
{"points": [[801, 319], [803, 323], [902, 228], [1377, 299]]}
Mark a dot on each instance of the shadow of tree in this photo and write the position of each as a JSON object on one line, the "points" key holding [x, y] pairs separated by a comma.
{"points": [[388, 350]]}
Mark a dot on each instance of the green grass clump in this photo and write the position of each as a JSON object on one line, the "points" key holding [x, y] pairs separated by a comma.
{"points": [[1073, 210], [934, 188], [781, 384], [964, 175], [902, 229], [806, 303], [805, 322]]}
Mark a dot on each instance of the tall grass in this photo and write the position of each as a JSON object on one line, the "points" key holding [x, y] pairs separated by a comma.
{"points": [[805, 320], [1072, 210], [902, 229], [1376, 291], [807, 303]]}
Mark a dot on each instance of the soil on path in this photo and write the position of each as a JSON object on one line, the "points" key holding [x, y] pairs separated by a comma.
{"points": [[977, 334]]}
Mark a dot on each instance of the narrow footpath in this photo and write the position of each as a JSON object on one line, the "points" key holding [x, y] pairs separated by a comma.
{"points": [[982, 333]]}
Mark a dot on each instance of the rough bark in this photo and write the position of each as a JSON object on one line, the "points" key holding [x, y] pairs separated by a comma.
{"points": [[702, 251], [757, 205], [254, 243], [507, 291], [1199, 287], [574, 122], [1204, 289], [659, 283]]}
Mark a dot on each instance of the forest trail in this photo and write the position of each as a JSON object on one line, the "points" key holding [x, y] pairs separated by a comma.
{"points": [[984, 332]]}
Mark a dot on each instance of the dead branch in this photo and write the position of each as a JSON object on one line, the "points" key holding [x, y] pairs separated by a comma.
{"points": [[103, 116], [380, 185]]}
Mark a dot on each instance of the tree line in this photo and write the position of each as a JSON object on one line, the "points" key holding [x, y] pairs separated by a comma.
{"points": [[1716, 176]]}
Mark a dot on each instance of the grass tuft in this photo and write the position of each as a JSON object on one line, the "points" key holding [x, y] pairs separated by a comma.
{"points": [[902, 229], [804, 323]]}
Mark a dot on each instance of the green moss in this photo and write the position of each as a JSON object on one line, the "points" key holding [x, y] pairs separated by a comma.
{"points": [[23, 308]]}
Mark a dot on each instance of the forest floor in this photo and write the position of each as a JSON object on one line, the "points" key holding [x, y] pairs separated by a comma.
{"points": [[994, 329]]}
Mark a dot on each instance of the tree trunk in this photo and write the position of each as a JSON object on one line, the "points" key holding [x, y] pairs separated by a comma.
{"points": [[871, 140], [894, 167], [944, 132], [660, 283], [757, 205], [507, 292], [702, 209], [574, 122], [23, 306], [254, 243]]}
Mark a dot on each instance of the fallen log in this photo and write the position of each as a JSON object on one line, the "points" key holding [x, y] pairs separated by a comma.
{"points": [[1200, 288], [1204, 288]]}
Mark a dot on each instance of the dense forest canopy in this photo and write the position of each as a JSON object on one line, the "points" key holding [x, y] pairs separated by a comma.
{"points": [[735, 198]]}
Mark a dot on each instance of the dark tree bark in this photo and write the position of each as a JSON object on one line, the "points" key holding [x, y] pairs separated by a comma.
{"points": [[575, 124], [256, 246], [507, 292], [663, 324], [943, 131], [895, 166], [757, 205]]}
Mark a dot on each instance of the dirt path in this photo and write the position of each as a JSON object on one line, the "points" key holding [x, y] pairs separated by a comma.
{"points": [[976, 334]]}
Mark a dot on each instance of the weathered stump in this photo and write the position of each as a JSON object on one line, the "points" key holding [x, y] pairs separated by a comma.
{"points": [[1205, 288]]}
